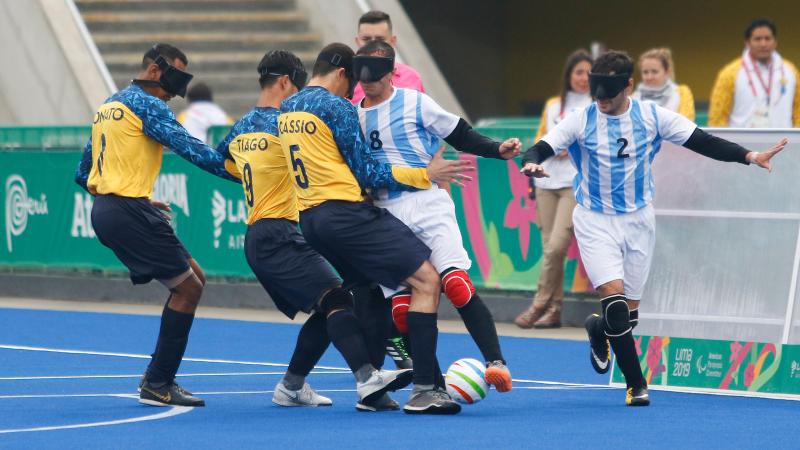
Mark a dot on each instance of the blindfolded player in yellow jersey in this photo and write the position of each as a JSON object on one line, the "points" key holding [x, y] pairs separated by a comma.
{"points": [[296, 277], [331, 164], [119, 166]]}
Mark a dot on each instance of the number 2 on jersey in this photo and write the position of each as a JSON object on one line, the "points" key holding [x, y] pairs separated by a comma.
{"points": [[297, 164], [624, 143]]}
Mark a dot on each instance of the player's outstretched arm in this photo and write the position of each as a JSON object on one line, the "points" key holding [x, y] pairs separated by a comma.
{"points": [[465, 139], [159, 123], [442, 171], [723, 150], [84, 166], [533, 159]]}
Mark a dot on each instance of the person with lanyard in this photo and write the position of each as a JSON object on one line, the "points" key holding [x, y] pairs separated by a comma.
{"points": [[296, 277], [658, 83], [612, 144], [119, 166], [554, 198], [758, 90]]}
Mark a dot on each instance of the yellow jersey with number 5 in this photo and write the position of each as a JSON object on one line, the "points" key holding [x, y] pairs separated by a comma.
{"points": [[326, 151], [253, 153]]}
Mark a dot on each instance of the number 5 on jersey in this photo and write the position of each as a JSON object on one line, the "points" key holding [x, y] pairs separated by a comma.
{"points": [[299, 169]]}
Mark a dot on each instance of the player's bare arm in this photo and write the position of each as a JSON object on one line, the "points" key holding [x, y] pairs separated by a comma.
{"points": [[441, 170]]}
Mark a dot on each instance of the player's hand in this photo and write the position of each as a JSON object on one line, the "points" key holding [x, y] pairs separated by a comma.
{"points": [[762, 159], [441, 170], [510, 148], [534, 170], [163, 207]]}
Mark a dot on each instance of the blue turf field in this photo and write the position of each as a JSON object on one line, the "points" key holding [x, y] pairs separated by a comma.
{"points": [[249, 359]]}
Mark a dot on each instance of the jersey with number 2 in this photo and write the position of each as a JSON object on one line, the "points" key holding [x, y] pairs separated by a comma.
{"points": [[614, 154]]}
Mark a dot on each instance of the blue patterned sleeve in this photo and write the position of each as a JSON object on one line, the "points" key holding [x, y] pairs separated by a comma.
{"points": [[343, 121], [159, 123], [84, 166]]}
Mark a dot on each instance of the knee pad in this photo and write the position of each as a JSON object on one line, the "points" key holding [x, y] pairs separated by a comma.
{"points": [[634, 313], [401, 301], [336, 299], [616, 316], [457, 286]]}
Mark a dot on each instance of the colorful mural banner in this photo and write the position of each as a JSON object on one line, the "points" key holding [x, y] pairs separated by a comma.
{"points": [[47, 216], [714, 364]]}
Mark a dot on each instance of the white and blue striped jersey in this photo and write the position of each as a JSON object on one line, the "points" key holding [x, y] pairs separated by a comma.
{"points": [[404, 131], [614, 154]]}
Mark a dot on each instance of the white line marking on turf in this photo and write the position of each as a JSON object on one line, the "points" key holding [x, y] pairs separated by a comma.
{"points": [[223, 374], [138, 356], [173, 411]]}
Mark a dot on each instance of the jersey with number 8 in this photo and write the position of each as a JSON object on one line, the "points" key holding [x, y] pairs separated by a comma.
{"points": [[614, 154], [254, 148]]}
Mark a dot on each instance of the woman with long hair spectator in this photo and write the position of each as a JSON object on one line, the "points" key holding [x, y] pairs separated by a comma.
{"points": [[658, 83], [554, 198]]}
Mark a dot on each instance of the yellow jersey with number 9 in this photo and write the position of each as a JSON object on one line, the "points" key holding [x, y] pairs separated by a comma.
{"points": [[125, 161], [255, 149]]}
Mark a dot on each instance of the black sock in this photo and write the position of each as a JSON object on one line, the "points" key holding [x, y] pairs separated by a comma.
{"points": [[374, 314], [346, 336], [312, 341], [172, 340], [480, 324], [627, 360], [597, 328], [634, 313], [423, 334]]}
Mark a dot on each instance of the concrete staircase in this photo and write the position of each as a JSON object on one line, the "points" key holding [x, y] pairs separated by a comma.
{"points": [[224, 40]]}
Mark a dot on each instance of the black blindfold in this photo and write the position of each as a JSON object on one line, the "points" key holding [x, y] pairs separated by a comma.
{"points": [[372, 68], [172, 80], [604, 87], [298, 77]]}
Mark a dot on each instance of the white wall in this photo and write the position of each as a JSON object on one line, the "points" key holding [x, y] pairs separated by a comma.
{"points": [[49, 76]]}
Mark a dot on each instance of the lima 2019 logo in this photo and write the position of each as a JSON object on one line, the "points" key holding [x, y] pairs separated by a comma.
{"points": [[19, 206], [223, 210]]}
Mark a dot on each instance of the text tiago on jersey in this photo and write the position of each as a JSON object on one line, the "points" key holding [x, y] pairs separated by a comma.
{"points": [[248, 144]]}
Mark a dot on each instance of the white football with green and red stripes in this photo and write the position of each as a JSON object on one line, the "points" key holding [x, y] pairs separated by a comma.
{"points": [[466, 381]]}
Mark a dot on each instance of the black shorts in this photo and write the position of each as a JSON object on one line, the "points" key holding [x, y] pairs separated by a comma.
{"points": [[141, 237], [363, 242], [294, 275]]}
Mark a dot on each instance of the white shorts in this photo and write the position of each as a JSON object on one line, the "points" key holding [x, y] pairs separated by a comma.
{"points": [[617, 247], [431, 215]]}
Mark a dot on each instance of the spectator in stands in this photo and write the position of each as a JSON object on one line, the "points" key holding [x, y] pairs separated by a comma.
{"points": [[377, 26], [658, 83], [555, 199], [758, 90], [202, 112]]}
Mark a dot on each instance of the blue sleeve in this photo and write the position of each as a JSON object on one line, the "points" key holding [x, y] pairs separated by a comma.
{"points": [[370, 173], [84, 166], [159, 123]]}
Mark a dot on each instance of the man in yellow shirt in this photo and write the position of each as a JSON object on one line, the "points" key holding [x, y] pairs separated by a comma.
{"points": [[326, 149], [296, 277], [119, 166]]}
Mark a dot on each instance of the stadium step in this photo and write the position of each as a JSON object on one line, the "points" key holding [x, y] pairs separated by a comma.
{"points": [[196, 5], [224, 40]]}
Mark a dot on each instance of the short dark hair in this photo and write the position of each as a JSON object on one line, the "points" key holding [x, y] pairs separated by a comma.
{"points": [[169, 52], [199, 92], [758, 23], [375, 16], [281, 59], [613, 61], [379, 48], [323, 67]]}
